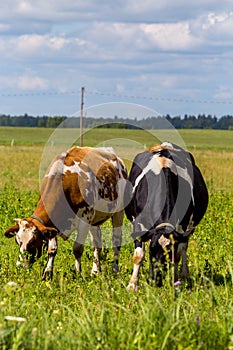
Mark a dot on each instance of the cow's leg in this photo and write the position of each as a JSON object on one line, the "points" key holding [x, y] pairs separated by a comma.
{"points": [[158, 264], [79, 242], [52, 252], [117, 222], [184, 272], [27, 259], [181, 254], [96, 239], [139, 254]]}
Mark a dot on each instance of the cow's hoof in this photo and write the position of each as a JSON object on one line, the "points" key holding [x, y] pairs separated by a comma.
{"points": [[132, 286], [115, 269], [95, 272], [47, 276], [96, 268]]}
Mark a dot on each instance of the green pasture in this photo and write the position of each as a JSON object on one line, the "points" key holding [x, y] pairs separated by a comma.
{"points": [[193, 139], [83, 312]]}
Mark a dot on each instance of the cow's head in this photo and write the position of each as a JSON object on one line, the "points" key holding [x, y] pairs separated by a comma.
{"points": [[159, 245], [30, 235], [168, 246], [160, 254]]}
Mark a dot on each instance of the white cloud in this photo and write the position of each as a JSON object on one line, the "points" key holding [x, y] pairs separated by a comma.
{"points": [[24, 7], [31, 82], [171, 36], [214, 28], [224, 92], [165, 48], [135, 38], [43, 48], [119, 10], [27, 44]]}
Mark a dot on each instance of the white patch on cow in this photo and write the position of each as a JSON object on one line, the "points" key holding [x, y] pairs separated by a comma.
{"points": [[106, 149], [75, 169], [154, 165], [56, 168], [165, 224], [191, 223], [24, 235], [85, 214], [139, 254], [52, 250], [87, 192], [179, 229], [142, 227], [115, 163], [104, 203], [167, 144], [181, 172], [163, 241], [19, 261]]}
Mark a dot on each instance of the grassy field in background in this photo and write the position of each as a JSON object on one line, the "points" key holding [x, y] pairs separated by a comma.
{"points": [[82, 312], [193, 139], [211, 148]]}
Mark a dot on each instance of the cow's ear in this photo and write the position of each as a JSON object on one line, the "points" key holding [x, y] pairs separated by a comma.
{"points": [[11, 232], [50, 232], [47, 232]]}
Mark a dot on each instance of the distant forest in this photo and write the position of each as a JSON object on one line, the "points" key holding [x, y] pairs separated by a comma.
{"points": [[201, 121]]}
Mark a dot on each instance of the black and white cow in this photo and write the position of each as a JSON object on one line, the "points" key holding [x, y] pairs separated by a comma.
{"points": [[168, 198]]}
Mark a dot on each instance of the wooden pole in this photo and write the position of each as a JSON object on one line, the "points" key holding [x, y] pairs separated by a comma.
{"points": [[81, 117]]}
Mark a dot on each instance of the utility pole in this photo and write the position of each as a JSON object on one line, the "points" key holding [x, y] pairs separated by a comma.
{"points": [[81, 117]]}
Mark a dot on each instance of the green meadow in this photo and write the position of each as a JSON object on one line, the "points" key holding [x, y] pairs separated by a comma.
{"points": [[201, 139], [85, 312]]}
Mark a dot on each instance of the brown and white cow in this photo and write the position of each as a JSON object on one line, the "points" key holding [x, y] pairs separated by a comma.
{"points": [[82, 188]]}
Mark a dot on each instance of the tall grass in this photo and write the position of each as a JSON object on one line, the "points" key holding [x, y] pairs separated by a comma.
{"points": [[82, 312]]}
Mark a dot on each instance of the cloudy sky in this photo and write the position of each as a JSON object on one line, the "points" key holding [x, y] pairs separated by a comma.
{"points": [[175, 57]]}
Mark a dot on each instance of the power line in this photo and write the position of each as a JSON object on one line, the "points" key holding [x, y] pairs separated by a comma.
{"points": [[48, 93], [154, 98], [116, 95]]}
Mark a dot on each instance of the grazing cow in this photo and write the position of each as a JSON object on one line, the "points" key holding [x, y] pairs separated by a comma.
{"points": [[81, 189], [167, 198]]}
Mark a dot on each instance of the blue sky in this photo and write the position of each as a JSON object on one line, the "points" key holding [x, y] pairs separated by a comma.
{"points": [[171, 56]]}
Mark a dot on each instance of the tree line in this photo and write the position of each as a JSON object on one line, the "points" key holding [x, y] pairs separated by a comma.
{"points": [[200, 121]]}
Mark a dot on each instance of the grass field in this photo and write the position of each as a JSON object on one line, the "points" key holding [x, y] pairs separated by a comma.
{"points": [[82, 312], [193, 139]]}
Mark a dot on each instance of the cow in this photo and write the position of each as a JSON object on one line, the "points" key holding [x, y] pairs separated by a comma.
{"points": [[82, 188], [167, 198]]}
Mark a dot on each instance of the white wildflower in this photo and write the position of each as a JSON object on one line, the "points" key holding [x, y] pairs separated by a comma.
{"points": [[12, 284], [15, 318]]}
